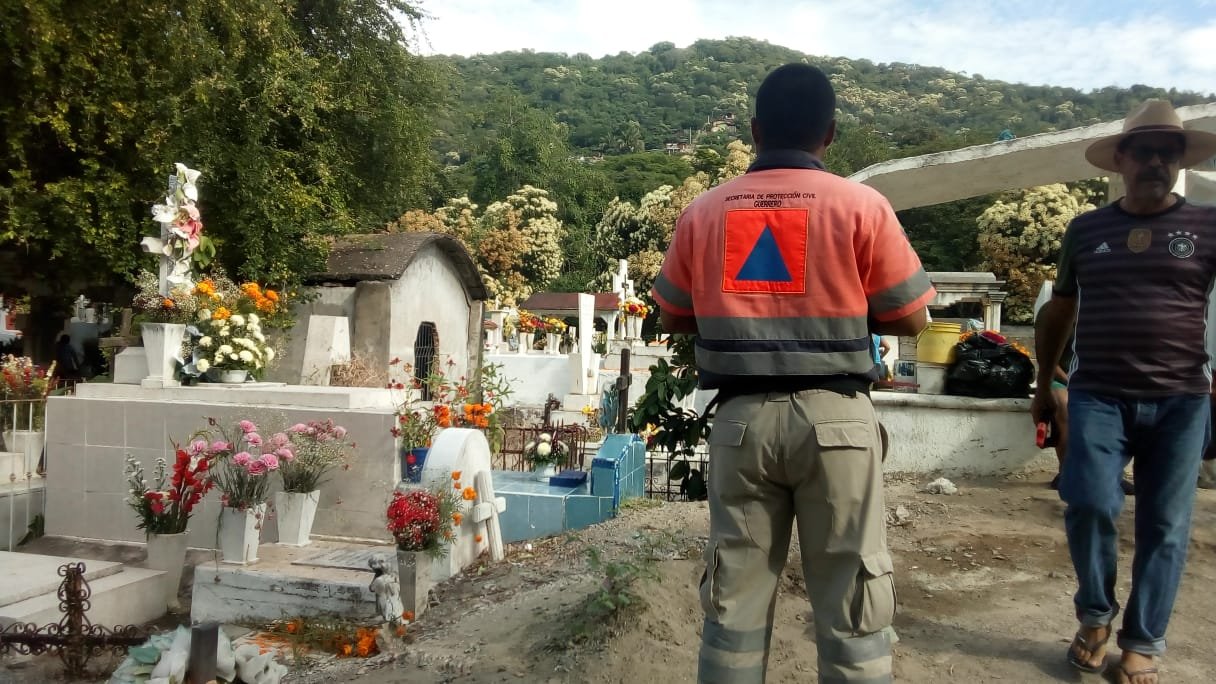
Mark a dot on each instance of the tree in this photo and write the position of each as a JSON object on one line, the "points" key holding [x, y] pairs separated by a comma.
{"points": [[525, 220], [1020, 239], [311, 120]]}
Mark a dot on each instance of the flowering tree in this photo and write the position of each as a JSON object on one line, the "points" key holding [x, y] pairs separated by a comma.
{"points": [[1020, 240]]}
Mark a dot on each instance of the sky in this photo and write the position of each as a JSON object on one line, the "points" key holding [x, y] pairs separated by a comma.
{"points": [[1085, 44]]}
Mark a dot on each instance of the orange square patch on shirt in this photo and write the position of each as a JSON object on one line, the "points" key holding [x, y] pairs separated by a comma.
{"points": [[764, 250]]}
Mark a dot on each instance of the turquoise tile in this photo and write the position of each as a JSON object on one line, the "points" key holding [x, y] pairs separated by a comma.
{"points": [[582, 511], [514, 520], [546, 515], [603, 481]]}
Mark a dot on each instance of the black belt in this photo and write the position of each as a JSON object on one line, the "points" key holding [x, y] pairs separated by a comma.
{"points": [[848, 385]]}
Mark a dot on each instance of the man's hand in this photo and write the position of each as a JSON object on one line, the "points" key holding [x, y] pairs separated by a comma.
{"points": [[1043, 404]]}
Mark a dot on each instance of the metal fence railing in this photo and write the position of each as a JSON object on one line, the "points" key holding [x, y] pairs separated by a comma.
{"points": [[511, 455], [677, 478]]}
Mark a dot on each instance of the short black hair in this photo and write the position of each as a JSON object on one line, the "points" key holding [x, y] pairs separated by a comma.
{"points": [[794, 107]]}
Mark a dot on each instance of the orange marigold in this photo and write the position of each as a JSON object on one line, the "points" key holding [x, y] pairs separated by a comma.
{"points": [[457, 517], [477, 538], [469, 494], [220, 314], [347, 649], [408, 616], [167, 303], [455, 474], [272, 295]]}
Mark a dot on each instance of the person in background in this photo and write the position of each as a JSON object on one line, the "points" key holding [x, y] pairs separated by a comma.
{"points": [[67, 361]]}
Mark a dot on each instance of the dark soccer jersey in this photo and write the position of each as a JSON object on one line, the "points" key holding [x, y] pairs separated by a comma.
{"points": [[1142, 285]]}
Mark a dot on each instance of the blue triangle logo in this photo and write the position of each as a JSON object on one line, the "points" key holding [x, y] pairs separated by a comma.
{"points": [[765, 263]]}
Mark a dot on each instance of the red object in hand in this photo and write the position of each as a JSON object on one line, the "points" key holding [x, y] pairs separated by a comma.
{"points": [[1045, 432]]}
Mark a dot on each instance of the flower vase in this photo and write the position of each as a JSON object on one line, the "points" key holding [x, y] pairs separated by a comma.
{"points": [[525, 342], [553, 343], [234, 377], [544, 472], [414, 576], [294, 512], [167, 553], [633, 327], [162, 345], [240, 533], [27, 442], [412, 462]]}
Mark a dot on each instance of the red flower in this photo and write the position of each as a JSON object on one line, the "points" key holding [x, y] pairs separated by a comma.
{"points": [[411, 459]]}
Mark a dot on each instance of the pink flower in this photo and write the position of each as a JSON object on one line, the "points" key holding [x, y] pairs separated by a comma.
{"points": [[271, 461], [198, 447], [254, 439], [339, 432], [285, 454], [256, 467], [247, 426], [279, 440], [298, 427], [242, 458], [220, 445]]}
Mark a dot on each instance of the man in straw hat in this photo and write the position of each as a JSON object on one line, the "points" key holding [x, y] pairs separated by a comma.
{"points": [[1134, 276]]}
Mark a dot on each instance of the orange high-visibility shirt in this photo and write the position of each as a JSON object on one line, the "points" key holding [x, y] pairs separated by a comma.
{"points": [[781, 268]]}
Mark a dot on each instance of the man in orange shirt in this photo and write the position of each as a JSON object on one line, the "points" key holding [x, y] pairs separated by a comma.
{"points": [[783, 274]]}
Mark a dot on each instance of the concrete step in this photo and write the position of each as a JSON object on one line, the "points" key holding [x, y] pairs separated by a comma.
{"points": [[569, 418], [574, 402], [133, 596]]}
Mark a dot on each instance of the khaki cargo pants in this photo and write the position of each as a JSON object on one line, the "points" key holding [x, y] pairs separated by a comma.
{"points": [[813, 456]]}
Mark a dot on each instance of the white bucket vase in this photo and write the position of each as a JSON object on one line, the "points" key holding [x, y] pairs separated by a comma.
{"points": [[414, 576], [167, 553], [162, 344], [544, 472], [525, 342], [234, 376], [240, 533], [553, 343], [27, 442], [294, 512], [633, 327]]}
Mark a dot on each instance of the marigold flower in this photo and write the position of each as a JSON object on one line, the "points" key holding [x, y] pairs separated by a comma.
{"points": [[469, 494], [221, 313], [477, 538], [457, 518], [167, 303], [408, 616], [455, 474], [272, 295]]}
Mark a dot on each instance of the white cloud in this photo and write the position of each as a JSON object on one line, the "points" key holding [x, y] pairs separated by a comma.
{"points": [[1037, 46]]}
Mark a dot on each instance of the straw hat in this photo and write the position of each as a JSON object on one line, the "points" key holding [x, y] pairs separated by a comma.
{"points": [[1153, 116]]}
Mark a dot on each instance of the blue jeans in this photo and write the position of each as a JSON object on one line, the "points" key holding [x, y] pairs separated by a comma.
{"points": [[1168, 436]]}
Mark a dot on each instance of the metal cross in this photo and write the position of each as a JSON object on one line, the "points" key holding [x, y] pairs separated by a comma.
{"points": [[74, 638]]}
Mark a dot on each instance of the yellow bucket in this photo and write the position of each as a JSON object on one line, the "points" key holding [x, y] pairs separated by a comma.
{"points": [[935, 344]]}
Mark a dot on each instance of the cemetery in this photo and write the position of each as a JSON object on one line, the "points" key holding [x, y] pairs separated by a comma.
{"points": [[229, 473]]}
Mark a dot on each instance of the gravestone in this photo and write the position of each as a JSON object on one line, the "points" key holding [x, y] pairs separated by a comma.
{"points": [[326, 344], [465, 451]]}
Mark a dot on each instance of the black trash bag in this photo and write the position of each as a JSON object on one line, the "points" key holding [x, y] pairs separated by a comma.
{"points": [[986, 365]]}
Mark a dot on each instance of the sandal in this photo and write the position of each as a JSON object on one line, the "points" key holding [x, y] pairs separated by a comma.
{"points": [[1092, 648], [1137, 673]]}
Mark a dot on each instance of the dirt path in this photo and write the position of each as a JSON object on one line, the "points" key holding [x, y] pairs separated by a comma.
{"points": [[984, 581]]}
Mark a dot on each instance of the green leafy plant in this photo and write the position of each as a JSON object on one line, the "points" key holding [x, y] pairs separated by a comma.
{"points": [[666, 426]]}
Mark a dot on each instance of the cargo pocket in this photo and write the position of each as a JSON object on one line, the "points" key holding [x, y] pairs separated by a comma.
{"points": [[728, 433], [844, 434], [711, 593], [874, 595]]}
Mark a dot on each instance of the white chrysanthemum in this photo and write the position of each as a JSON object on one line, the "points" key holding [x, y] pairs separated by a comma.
{"points": [[225, 349], [253, 319], [257, 335], [269, 354], [225, 332], [544, 449], [205, 341], [203, 365], [204, 314], [238, 320], [246, 356], [234, 357]]}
